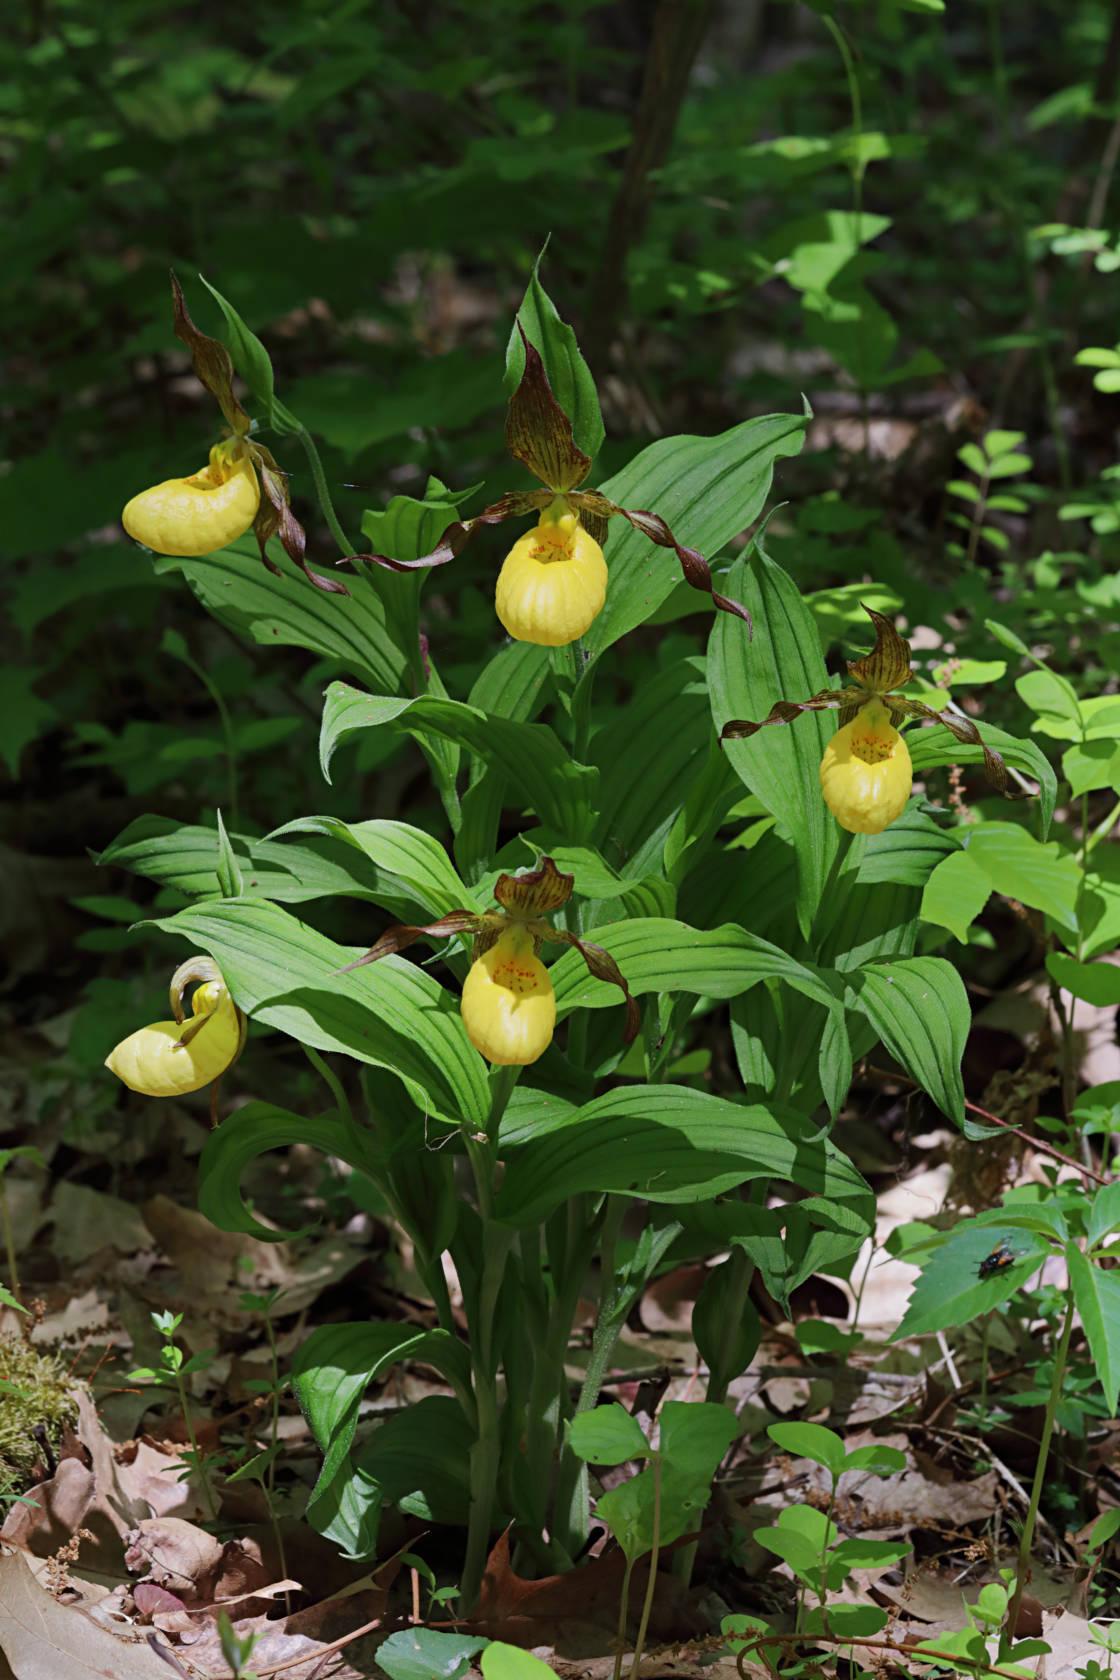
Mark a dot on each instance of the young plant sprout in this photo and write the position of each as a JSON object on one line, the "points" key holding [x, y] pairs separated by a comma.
{"points": [[508, 1004], [866, 773], [553, 582]]}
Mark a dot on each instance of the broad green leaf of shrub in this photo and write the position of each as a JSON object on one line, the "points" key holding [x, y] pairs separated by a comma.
{"points": [[607, 1435], [950, 1292], [426, 1654], [1096, 1294], [1097, 983], [955, 893]]}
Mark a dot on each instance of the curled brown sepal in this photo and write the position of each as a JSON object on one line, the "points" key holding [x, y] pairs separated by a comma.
{"points": [[784, 711], [212, 362], [693, 565], [535, 892], [459, 533], [888, 665], [963, 729], [538, 432], [401, 935], [275, 518], [602, 965]]}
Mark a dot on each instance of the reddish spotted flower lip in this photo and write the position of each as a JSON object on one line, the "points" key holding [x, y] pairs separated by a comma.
{"points": [[539, 434]]}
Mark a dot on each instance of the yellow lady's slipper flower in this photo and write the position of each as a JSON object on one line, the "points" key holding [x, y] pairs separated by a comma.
{"points": [[508, 1005], [170, 1058], [196, 515], [554, 581], [866, 773]]}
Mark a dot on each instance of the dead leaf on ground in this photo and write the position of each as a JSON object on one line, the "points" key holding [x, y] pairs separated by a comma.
{"points": [[44, 1640]]}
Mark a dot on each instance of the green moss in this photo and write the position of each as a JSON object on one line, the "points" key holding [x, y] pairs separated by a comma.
{"points": [[34, 1390]]}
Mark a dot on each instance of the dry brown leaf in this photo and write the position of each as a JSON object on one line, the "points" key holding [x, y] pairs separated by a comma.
{"points": [[86, 1221], [208, 1260], [45, 1640]]}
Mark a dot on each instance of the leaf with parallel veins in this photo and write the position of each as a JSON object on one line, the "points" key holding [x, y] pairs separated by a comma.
{"points": [[538, 432], [963, 729]]}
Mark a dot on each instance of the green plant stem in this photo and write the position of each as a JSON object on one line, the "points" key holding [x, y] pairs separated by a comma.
{"points": [[984, 1341], [497, 1240], [856, 171], [1022, 1568], [9, 1239], [1103, 829], [207, 1490], [322, 490], [228, 738], [274, 1433], [623, 1607], [651, 1584], [331, 1081]]}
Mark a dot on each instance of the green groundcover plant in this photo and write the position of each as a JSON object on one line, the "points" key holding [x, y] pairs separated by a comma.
{"points": [[711, 845]]}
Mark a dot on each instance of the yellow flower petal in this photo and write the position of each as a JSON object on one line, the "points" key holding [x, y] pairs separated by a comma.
{"points": [[508, 1005], [196, 515], [553, 582], [156, 1062], [866, 773]]}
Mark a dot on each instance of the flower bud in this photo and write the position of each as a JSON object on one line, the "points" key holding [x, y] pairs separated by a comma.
{"points": [[508, 1005], [553, 582], [196, 515], [158, 1063], [866, 773]]}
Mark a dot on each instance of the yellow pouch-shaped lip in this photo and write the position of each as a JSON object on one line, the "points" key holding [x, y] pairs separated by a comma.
{"points": [[552, 584], [866, 773], [171, 1058], [196, 515], [508, 1004]]}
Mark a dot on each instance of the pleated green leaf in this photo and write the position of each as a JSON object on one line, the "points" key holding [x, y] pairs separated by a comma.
{"points": [[391, 1014], [919, 1008], [666, 1143], [707, 490], [234, 585], [781, 764], [541, 773], [659, 955]]}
